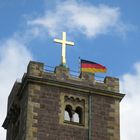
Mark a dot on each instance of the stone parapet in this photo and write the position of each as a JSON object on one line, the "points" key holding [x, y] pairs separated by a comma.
{"points": [[62, 73]]}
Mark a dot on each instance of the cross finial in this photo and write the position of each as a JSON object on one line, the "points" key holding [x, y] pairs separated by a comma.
{"points": [[64, 42]]}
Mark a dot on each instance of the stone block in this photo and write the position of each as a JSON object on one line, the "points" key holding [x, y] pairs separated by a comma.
{"points": [[35, 69], [112, 83]]}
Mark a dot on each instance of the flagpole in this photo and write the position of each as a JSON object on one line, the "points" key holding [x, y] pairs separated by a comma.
{"points": [[79, 64]]}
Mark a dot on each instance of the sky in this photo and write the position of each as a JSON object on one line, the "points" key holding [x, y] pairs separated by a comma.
{"points": [[104, 31]]}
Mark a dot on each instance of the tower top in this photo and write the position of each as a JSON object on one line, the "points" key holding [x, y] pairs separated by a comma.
{"points": [[56, 105], [64, 42]]}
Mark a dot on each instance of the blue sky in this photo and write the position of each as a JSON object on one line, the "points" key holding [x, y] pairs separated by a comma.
{"points": [[108, 48], [104, 31]]}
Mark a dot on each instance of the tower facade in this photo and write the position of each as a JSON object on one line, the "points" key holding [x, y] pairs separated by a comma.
{"points": [[57, 106]]}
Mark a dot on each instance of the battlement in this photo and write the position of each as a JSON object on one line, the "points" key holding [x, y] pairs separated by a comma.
{"points": [[36, 69]]}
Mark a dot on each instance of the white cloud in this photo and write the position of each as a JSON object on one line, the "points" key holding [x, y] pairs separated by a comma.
{"points": [[81, 17], [130, 114], [13, 62]]}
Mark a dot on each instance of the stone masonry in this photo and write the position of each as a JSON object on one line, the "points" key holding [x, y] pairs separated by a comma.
{"points": [[37, 105]]}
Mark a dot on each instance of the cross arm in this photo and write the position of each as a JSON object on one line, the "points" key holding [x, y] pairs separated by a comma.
{"points": [[70, 43], [58, 41]]}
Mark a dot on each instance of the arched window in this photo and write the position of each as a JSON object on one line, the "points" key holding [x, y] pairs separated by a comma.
{"points": [[66, 116], [74, 110], [76, 117], [79, 113], [68, 113]]}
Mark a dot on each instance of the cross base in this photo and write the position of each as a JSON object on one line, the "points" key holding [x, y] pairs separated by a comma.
{"points": [[64, 65]]}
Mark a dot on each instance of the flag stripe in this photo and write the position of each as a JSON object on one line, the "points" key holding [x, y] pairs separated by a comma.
{"points": [[86, 61], [93, 70], [85, 65]]}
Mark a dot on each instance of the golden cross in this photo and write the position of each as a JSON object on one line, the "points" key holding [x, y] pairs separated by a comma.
{"points": [[64, 42]]}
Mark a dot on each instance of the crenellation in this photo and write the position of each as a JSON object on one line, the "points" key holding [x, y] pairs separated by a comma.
{"points": [[35, 69], [88, 77], [112, 83], [63, 73]]}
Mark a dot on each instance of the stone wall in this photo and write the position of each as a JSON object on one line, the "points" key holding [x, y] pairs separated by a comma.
{"points": [[105, 118]]}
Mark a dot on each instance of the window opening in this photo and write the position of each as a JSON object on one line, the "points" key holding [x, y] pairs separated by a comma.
{"points": [[76, 118], [74, 110], [68, 113], [80, 114]]}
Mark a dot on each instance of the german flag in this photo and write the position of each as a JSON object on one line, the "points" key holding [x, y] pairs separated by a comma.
{"points": [[92, 67]]}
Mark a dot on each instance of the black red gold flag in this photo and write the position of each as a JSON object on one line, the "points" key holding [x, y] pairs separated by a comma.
{"points": [[92, 67]]}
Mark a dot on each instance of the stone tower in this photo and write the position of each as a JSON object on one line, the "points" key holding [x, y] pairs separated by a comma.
{"points": [[57, 106]]}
